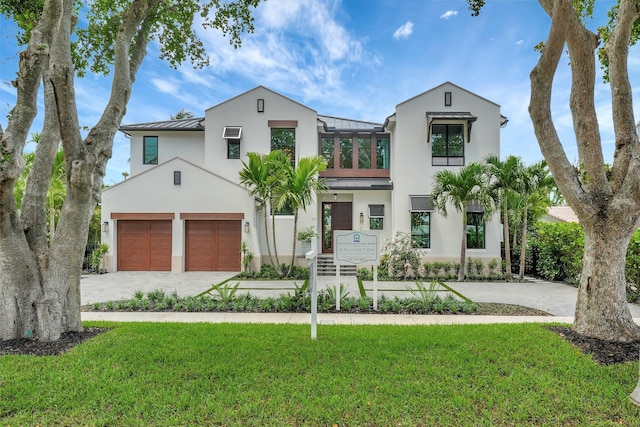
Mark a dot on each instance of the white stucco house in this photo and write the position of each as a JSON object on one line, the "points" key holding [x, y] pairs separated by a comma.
{"points": [[183, 207]]}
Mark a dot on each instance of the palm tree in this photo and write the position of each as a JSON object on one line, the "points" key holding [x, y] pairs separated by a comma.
{"points": [[505, 176], [182, 114], [538, 183], [255, 176], [469, 185], [298, 189]]}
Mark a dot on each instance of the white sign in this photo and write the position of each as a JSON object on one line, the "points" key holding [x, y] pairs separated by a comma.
{"points": [[356, 247]]}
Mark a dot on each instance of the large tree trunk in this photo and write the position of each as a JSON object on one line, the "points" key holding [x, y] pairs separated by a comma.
{"points": [[40, 276], [607, 205], [602, 310]]}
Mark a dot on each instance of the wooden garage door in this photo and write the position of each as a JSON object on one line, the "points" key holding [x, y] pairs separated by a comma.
{"points": [[144, 245], [212, 245]]}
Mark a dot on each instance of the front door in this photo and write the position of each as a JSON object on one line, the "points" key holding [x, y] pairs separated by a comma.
{"points": [[335, 216]]}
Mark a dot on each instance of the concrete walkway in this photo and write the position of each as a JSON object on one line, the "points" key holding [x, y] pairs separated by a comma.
{"points": [[555, 298]]}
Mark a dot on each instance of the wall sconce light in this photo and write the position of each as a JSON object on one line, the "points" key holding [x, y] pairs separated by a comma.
{"points": [[260, 105], [335, 197], [361, 218], [246, 227], [105, 227]]}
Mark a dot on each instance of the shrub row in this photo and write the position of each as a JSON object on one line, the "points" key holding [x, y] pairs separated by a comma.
{"points": [[226, 300]]}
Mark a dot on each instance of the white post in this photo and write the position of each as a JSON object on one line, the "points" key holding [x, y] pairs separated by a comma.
{"points": [[313, 280], [375, 287], [337, 287], [635, 395]]}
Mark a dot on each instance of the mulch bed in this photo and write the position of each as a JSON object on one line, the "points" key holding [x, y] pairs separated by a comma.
{"points": [[68, 340], [603, 352]]}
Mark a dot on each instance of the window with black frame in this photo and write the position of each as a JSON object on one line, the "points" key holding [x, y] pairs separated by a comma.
{"points": [[447, 144]]}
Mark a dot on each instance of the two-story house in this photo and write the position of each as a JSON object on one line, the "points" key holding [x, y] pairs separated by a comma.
{"points": [[183, 207]]}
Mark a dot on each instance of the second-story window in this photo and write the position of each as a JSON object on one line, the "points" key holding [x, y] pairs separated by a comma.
{"points": [[284, 139], [361, 153], [383, 152], [150, 150], [346, 153], [233, 148], [327, 151], [447, 141]]}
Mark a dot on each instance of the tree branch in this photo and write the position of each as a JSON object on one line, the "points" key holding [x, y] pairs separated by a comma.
{"points": [[617, 49], [540, 104], [581, 44]]}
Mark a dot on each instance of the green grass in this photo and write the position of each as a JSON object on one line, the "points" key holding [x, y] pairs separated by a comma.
{"points": [[235, 374]]}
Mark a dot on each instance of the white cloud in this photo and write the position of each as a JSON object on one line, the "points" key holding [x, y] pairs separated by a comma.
{"points": [[519, 42], [165, 86], [404, 31], [449, 14]]}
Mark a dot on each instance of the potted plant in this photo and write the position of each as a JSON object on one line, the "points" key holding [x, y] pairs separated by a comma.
{"points": [[304, 236]]}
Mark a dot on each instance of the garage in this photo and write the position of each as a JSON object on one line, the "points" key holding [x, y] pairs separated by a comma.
{"points": [[144, 245], [212, 245]]}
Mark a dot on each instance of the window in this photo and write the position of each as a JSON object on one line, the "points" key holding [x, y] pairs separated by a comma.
{"points": [[284, 139], [233, 148], [447, 142], [364, 153], [475, 230], [376, 217], [285, 210], [346, 153], [327, 151], [421, 230], [383, 152], [150, 150]]}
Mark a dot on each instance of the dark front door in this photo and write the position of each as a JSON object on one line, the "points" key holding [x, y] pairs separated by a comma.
{"points": [[335, 216]]}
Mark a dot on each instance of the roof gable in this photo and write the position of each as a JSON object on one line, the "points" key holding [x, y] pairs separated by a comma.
{"points": [[257, 89], [451, 85]]}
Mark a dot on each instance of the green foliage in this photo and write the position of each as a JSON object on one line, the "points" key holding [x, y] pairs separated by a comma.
{"points": [[97, 256], [332, 293], [424, 294], [400, 259], [225, 293], [559, 248], [246, 255], [306, 234]]}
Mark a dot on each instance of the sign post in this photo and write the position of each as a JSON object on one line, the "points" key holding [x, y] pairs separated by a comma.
{"points": [[312, 257], [357, 248]]}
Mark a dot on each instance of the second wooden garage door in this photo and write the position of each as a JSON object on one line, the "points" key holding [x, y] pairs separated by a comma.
{"points": [[212, 245]]}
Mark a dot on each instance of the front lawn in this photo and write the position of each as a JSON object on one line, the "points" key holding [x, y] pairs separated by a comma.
{"points": [[239, 374]]}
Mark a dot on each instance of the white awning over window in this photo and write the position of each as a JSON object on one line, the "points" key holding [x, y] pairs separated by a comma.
{"points": [[421, 204], [232, 132], [376, 211], [462, 116]]}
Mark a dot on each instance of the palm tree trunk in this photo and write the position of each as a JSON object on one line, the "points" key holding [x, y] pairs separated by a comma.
{"points": [[275, 245], [523, 244], [507, 246], [266, 233], [295, 238], [463, 246]]}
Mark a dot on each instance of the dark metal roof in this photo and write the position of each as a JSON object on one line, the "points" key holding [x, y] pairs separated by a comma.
{"points": [[168, 125], [453, 115], [333, 124], [359, 183]]}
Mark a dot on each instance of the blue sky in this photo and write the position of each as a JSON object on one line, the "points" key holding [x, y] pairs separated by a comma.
{"points": [[355, 59]]}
